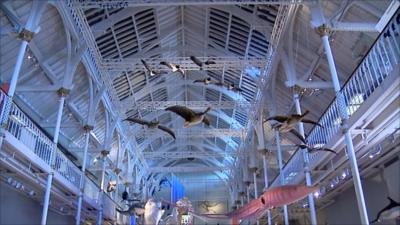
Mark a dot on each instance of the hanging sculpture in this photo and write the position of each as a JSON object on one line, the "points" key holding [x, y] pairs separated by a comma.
{"points": [[274, 197]]}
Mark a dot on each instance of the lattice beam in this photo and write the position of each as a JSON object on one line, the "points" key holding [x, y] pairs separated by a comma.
{"points": [[186, 154], [138, 3], [200, 133], [186, 169], [195, 105], [184, 62]]}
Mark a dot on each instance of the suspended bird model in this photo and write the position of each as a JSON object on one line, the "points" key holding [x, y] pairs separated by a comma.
{"points": [[207, 81], [287, 123], [201, 63], [149, 70], [391, 211], [111, 186], [174, 67], [273, 197], [191, 117], [311, 149], [152, 125], [232, 87]]}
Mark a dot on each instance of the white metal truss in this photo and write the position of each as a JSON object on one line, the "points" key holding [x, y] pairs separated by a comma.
{"points": [[184, 62], [195, 105], [200, 133], [186, 154], [138, 3], [186, 169]]}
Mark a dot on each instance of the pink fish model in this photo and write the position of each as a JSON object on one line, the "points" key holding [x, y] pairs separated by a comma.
{"points": [[273, 197]]}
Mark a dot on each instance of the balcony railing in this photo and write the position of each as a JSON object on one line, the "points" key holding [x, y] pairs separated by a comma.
{"points": [[381, 60], [27, 132]]}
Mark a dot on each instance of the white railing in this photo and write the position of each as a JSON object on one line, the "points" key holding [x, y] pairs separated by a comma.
{"points": [[18, 124], [380, 61]]}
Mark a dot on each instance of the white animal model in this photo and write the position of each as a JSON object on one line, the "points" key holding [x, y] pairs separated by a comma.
{"points": [[152, 212]]}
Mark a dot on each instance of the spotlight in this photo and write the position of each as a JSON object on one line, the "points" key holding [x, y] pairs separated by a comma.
{"points": [[317, 194], [31, 193], [9, 180]]}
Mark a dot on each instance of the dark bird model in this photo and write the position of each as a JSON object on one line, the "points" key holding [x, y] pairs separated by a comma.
{"points": [[207, 81], [191, 117], [392, 209], [311, 149], [152, 125], [149, 70], [201, 63], [287, 123], [174, 67]]}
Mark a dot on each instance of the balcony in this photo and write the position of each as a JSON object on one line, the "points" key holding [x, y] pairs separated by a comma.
{"points": [[27, 151], [368, 94]]}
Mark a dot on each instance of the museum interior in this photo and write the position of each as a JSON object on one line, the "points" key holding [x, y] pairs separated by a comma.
{"points": [[195, 112]]}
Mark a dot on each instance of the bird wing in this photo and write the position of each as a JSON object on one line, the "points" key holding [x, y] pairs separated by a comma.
{"points": [[206, 121], [311, 122], [328, 150], [280, 119], [209, 62], [237, 89], [181, 71], [198, 81], [166, 129], [196, 61], [182, 111], [138, 121], [146, 65], [298, 135], [169, 65]]}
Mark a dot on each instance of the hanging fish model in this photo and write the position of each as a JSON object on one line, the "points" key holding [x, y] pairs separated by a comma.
{"points": [[391, 211]]}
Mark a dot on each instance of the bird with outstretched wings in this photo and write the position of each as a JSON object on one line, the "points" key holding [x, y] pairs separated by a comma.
{"points": [[200, 63], [152, 125], [191, 117]]}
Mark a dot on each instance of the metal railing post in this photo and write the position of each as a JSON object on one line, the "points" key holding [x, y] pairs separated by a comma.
{"points": [[307, 172], [324, 31], [264, 153], [104, 154], [87, 128], [282, 176], [62, 92]]}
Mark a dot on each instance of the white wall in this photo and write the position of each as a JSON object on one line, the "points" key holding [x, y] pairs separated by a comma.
{"points": [[344, 210]]}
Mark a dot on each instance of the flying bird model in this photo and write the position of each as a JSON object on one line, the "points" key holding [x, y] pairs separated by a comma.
{"points": [[311, 149], [207, 81], [287, 123], [391, 211], [201, 63], [149, 70], [152, 125], [174, 67], [273, 197], [191, 117]]}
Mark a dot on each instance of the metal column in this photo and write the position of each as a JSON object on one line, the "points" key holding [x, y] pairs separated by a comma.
{"points": [[255, 187], [307, 172], [265, 166], [324, 31], [26, 35], [87, 129], [104, 154], [282, 176], [62, 92], [248, 193]]}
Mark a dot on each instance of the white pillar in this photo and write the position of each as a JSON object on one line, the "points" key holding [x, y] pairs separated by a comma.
{"points": [[104, 154], [87, 129], [248, 193], [62, 93], [323, 30], [265, 166], [306, 163], [255, 187], [282, 175]]}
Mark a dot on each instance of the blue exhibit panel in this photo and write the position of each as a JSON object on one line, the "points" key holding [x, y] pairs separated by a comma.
{"points": [[177, 190]]}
